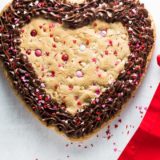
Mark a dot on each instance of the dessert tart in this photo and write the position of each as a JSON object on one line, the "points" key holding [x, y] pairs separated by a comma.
{"points": [[75, 64]]}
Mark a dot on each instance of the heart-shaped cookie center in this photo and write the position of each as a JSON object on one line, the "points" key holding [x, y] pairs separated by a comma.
{"points": [[75, 65]]}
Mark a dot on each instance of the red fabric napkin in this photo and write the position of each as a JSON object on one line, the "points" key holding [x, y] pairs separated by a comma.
{"points": [[145, 144]]}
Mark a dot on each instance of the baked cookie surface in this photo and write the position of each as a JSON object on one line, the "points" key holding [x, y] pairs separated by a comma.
{"points": [[75, 65]]}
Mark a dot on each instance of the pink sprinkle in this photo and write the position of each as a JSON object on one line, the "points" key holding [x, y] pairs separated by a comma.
{"points": [[51, 25], [115, 149], [38, 52], [116, 63], [93, 102], [49, 9], [94, 60], [41, 4], [145, 108], [60, 65], [99, 75], [79, 74]]}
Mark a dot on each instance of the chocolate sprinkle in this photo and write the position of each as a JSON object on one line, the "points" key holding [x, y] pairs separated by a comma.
{"points": [[130, 13]]}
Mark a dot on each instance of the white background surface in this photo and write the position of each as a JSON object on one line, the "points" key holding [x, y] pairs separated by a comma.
{"points": [[22, 137]]}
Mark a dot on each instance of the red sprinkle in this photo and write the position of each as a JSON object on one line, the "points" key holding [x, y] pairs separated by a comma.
{"points": [[40, 97], [120, 120], [158, 59], [47, 53], [79, 103], [115, 53], [51, 35], [54, 46], [94, 60], [22, 30], [47, 98], [65, 57], [28, 51], [33, 33], [70, 87], [87, 42], [106, 52], [95, 24], [53, 74], [97, 91], [74, 41], [115, 126], [110, 42]]}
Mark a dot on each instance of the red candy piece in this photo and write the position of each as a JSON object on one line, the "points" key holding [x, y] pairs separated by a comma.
{"points": [[65, 57], [33, 33], [79, 103], [158, 60]]}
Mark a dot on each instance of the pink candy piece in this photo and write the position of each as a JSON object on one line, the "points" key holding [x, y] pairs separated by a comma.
{"points": [[38, 52], [79, 74]]}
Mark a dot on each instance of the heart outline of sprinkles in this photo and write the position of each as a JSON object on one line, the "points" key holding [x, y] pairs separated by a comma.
{"points": [[130, 13]]}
